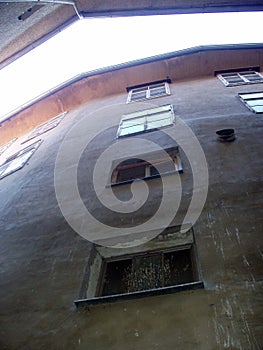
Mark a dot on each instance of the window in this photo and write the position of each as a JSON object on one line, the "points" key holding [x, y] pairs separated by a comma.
{"points": [[166, 264], [146, 120], [137, 168], [6, 146], [18, 160], [147, 271], [148, 91], [42, 128], [239, 78], [253, 100]]}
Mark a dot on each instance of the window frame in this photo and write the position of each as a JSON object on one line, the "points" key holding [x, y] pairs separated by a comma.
{"points": [[240, 75], [10, 161], [45, 127], [146, 114], [134, 257], [5, 146], [171, 240], [172, 155], [246, 103], [147, 88]]}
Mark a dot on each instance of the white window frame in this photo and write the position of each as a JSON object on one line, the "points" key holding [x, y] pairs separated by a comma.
{"points": [[145, 117], [252, 96], [147, 89], [18, 160], [45, 127], [241, 75], [6, 146]]}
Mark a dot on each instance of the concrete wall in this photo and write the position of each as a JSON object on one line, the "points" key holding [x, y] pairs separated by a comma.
{"points": [[43, 260]]}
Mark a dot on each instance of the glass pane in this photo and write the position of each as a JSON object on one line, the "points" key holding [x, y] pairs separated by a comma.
{"points": [[178, 268], [146, 112], [138, 95], [159, 123], [252, 95], [17, 163], [117, 277], [253, 76], [233, 79], [258, 109], [157, 90], [3, 167], [158, 116], [131, 126], [253, 103], [131, 130], [131, 122], [163, 167], [131, 173]]}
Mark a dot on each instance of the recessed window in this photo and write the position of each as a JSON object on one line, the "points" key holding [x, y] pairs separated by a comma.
{"points": [[147, 271], [253, 100], [146, 120], [137, 168], [166, 264], [6, 146], [148, 91], [240, 78], [41, 129], [18, 160]]}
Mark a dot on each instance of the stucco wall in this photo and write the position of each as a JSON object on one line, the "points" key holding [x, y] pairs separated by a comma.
{"points": [[189, 64], [43, 260]]}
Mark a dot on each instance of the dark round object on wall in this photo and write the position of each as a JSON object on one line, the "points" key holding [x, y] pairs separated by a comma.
{"points": [[226, 135]]}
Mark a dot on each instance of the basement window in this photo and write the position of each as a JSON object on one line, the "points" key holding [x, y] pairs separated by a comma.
{"points": [[18, 160], [253, 100], [146, 120], [240, 78], [148, 91], [137, 168], [149, 271], [165, 264], [44, 127]]}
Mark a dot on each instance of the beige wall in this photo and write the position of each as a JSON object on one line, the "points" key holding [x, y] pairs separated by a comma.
{"points": [[202, 63]]}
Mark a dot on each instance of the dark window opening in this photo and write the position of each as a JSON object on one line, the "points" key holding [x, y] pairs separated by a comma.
{"points": [[147, 272], [136, 168]]}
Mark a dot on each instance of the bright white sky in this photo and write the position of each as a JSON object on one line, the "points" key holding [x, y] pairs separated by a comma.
{"points": [[95, 43]]}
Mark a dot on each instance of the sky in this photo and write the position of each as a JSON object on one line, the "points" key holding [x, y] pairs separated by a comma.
{"points": [[92, 43]]}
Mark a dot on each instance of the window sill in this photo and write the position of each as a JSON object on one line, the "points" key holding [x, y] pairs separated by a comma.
{"points": [[139, 294], [144, 131], [144, 178]]}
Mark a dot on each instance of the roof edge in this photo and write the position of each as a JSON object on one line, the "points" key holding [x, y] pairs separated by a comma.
{"points": [[133, 63]]}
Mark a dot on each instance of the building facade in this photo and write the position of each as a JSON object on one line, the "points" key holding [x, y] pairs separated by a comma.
{"points": [[115, 262]]}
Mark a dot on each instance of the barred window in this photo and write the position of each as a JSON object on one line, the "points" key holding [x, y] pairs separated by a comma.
{"points": [[148, 92], [240, 78], [148, 271], [168, 263]]}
